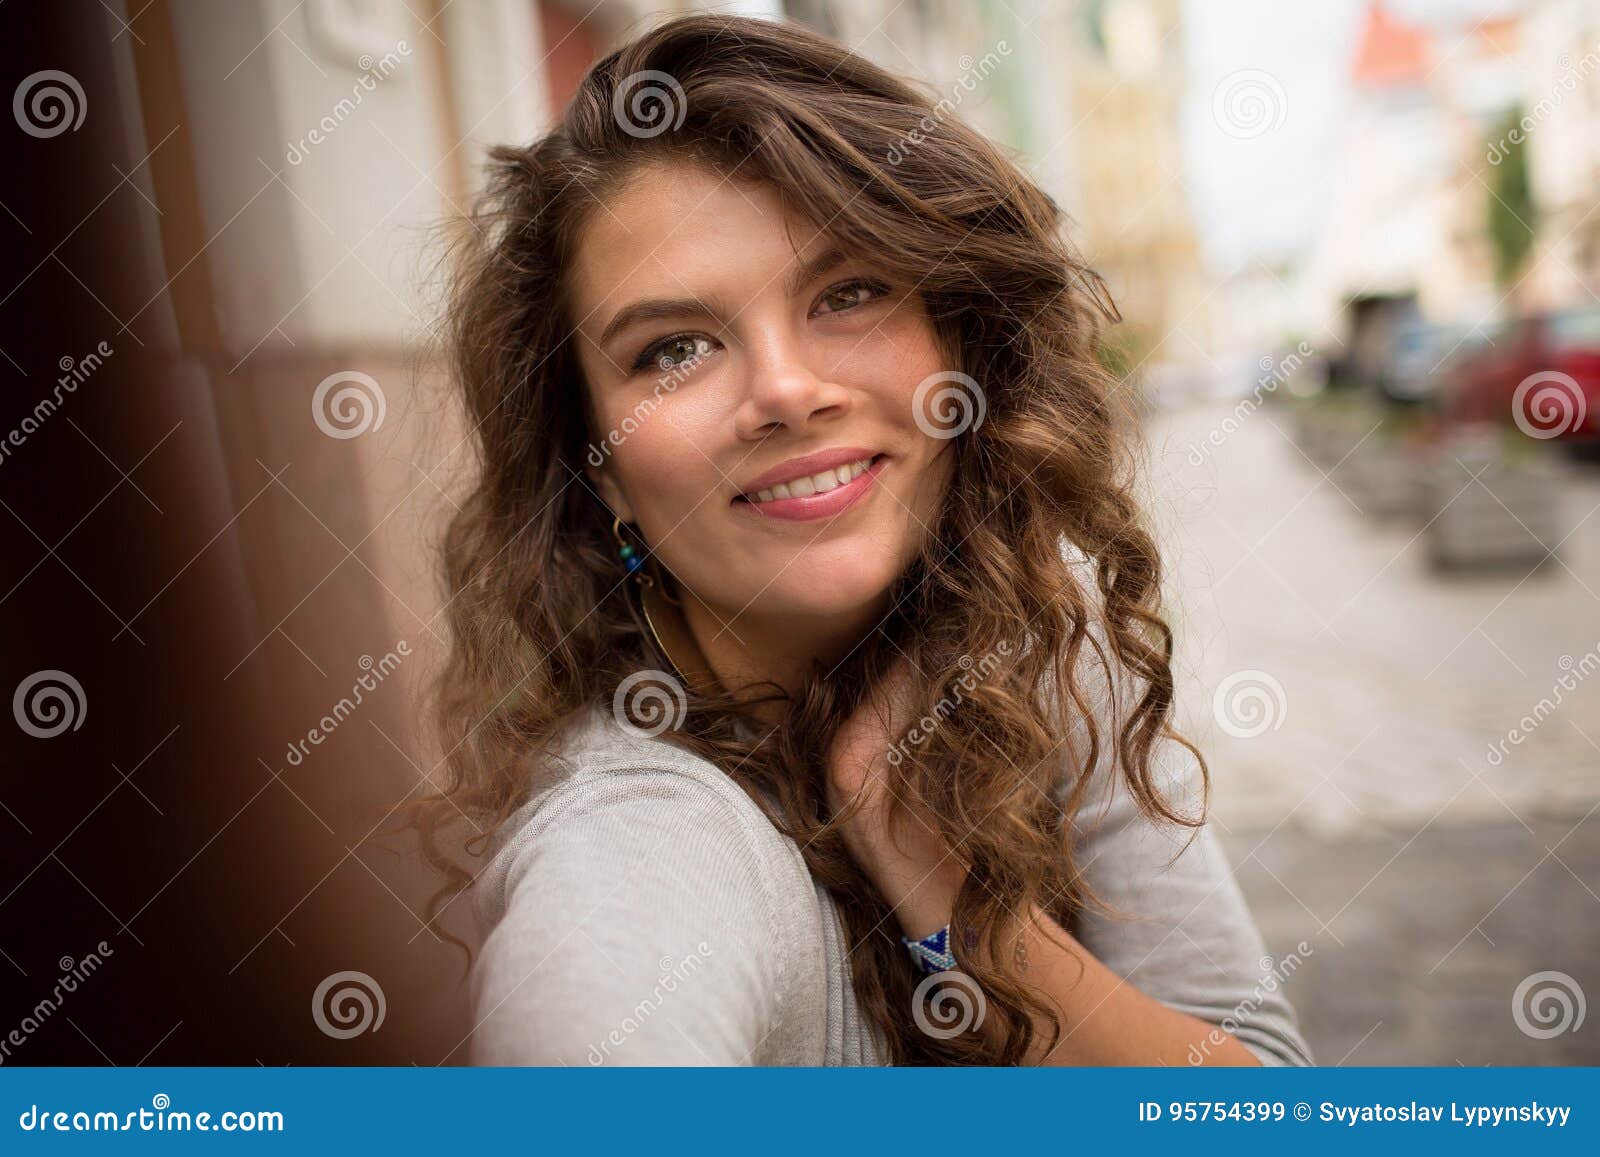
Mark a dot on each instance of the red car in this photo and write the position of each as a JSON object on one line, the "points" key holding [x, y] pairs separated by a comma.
{"points": [[1541, 372]]}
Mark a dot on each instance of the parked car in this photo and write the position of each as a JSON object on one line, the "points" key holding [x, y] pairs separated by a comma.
{"points": [[1563, 346], [1418, 353]]}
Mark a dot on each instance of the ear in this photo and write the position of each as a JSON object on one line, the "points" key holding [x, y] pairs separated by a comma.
{"points": [[610, 493]]}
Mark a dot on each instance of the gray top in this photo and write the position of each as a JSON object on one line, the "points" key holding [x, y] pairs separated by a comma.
{"points": [[643, 910]]}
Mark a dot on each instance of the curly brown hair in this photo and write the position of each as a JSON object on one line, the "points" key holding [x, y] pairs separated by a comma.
{"points": [[541, 625]]}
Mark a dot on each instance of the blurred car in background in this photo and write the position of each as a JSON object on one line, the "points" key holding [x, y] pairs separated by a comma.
{"points": [[1481, 384], [1418, 351]]}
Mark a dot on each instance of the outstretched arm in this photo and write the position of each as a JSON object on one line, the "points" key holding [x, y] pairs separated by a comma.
{"points": [[638, 930]]}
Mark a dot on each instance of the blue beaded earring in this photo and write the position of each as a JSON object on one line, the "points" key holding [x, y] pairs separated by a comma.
{"points": [[625, 550]]}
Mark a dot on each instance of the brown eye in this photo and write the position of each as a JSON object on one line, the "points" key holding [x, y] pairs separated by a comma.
{"points": [[851, 294], [671, 353]]}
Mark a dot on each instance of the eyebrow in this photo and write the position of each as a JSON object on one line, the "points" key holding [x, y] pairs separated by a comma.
{"points": [[659, 308]]}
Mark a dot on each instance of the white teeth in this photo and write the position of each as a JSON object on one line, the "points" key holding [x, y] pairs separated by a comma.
{"points": [[815, 484]]}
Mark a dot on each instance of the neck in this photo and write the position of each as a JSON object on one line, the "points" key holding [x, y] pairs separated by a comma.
{"points": [[745, 649]]}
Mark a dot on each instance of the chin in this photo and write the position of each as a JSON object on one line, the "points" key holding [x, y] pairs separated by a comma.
{"points": [[832, 583]]}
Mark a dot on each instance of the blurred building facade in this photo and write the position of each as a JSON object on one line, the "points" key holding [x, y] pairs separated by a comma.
{"points": [[1564, 147], [1428, 123], [1125, 75]]}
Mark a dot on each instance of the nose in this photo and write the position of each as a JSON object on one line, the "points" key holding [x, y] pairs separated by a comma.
{"points": [[783, 390]]}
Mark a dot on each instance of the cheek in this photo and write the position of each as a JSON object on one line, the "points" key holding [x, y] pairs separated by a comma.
{"points": [[659, 463], [903, 354]]}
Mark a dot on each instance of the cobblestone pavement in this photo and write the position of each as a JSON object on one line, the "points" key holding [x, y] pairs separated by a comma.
{"points": [[1374, 815]]}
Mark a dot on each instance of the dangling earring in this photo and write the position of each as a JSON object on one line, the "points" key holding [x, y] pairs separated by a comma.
{"points": [[626, 552], [666, 626], [636, 566]]}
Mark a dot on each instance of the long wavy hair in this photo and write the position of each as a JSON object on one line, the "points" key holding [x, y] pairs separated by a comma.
{"points": [[542, 627]]}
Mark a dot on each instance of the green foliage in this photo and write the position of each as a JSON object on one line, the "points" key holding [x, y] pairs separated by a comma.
{"points": [[1512, 213]]}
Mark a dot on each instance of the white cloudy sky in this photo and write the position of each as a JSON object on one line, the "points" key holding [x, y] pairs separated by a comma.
{"points": [[1264, 197]]}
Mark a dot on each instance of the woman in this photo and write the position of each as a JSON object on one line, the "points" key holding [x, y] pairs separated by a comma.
{"points": [[809, 686]]}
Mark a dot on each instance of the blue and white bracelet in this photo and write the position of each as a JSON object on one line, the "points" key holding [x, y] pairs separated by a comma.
{"points": [[932, 953]]}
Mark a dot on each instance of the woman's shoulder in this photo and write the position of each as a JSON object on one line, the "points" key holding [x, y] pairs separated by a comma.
{"points": [[615, 792], [604, 761], [643, 876]]}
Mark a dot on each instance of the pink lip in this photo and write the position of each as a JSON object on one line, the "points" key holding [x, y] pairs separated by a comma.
{"points": [[815, 506]]}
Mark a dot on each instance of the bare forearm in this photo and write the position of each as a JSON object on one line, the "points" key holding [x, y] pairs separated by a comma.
{"points": [[1104, 1019], [1107, 1021]]}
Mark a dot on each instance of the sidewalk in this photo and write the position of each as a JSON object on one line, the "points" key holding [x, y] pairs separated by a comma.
{"points": [[1373, 814]]}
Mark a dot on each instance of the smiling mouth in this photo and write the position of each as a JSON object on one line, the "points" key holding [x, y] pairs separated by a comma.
{"points": [[819, 495], [808, 484]]}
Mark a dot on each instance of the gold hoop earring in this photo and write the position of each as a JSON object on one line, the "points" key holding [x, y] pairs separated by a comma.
{"points": [[666, 626]]}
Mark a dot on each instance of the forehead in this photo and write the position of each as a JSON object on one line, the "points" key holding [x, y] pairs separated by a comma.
{"points": [[676, 228]]}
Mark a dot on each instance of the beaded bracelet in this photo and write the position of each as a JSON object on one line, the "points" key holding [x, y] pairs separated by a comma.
{"points": [[932, 953]]}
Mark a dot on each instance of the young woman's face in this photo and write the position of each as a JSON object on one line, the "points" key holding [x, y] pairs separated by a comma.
{"points": [[754, 396]]}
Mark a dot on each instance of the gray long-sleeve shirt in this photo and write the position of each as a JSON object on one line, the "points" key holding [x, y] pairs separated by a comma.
{"points": [[644, 911]]}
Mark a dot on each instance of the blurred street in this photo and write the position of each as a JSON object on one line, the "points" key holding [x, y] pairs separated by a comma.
{"points": [[1367, 818]]}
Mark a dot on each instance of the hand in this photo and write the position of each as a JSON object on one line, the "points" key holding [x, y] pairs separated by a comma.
{"points": [[915, 871]]}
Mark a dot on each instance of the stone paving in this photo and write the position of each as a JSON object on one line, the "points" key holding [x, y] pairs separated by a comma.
{"points": [[1365, 775]]}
